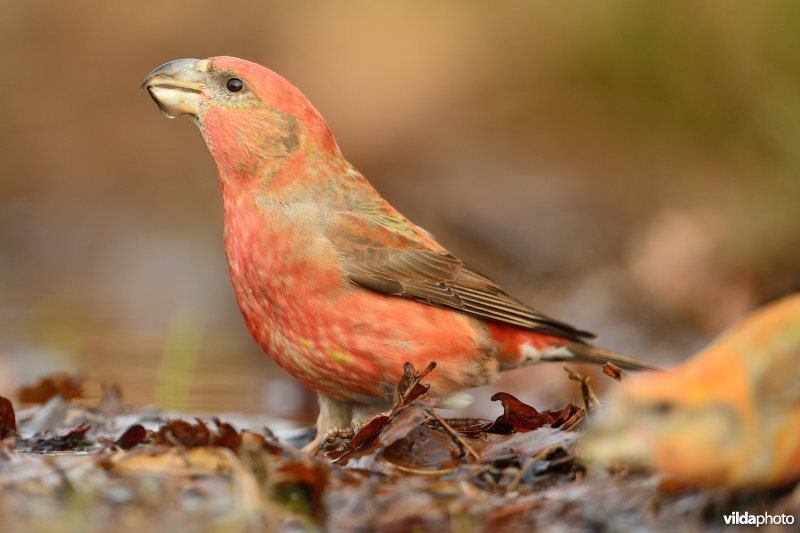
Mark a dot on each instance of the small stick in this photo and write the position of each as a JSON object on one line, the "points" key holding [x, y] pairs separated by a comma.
{"points": [[454, 434], [590, 401], [409, 470], [418, 378], [527, 466]]}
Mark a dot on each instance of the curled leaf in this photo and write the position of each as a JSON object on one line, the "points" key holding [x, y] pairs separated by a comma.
{"points": [[517, 416]]}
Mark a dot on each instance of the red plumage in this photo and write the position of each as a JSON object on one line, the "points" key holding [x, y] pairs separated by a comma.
{"points": [[335, 284]]}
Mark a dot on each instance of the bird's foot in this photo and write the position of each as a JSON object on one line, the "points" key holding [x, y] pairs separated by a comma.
{"points": [[336, 438], [356, 425], [333, 439]]}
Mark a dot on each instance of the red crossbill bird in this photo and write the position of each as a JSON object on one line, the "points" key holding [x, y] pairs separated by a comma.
{"points": [[334, 284], [729, 416]]}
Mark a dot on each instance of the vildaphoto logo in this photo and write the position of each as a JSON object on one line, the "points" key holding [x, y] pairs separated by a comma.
{"points": [[748, 519]]}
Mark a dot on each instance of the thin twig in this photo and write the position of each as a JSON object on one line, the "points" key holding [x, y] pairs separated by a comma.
{"points": [[418, 378], [590, 401], [527, 466], [419, 471], [454, 434]]}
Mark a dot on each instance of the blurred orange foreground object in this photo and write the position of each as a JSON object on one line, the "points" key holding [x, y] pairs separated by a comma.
{"points": [[729, 416]]}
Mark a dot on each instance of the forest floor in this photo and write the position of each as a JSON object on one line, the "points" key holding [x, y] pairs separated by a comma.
{"points": [[68, 466]]}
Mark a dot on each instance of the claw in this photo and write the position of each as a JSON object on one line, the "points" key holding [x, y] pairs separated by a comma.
{"points": [[356, 425], [333, 439], [335, 434], [328, 441]]}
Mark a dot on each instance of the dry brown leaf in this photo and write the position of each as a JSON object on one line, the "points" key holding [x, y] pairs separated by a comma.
{"points": [[62, 384], [613, 371], [70, 440], [172, 461], [409, 389], [8, 421], [132, 436]]}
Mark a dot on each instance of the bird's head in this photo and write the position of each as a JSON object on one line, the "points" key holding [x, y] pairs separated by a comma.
{"points": [[252, 119], [699, 421]]}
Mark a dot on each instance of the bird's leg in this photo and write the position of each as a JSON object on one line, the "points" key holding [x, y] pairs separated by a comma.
{"points": [[333, 423]]}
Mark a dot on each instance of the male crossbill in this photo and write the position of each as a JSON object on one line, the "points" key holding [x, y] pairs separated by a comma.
{"points": [[334, 283], [729, 416]]}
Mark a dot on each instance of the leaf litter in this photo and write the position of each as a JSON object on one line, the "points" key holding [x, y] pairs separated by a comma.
{"points": [[406, 469]]}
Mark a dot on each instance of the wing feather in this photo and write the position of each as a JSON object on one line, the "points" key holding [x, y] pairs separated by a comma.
{"points": [[421, 270]]}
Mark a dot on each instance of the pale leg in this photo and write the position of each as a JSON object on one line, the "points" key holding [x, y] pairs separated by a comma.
{"points": [[334, 415]]}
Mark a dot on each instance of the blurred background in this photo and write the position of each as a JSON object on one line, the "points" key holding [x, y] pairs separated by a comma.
{"points": [[632, 168]]}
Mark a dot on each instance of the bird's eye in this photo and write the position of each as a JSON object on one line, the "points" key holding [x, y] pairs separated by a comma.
{"points": [[234, 85]]}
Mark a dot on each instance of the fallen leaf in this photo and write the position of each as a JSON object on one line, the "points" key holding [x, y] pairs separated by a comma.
{"points": [[409, 387], [423, 449], [132, 436], [613, 371], [404, 420], [69, 440], [367, 434], [568, 418], [8, 421], [61, 384], [226, 436], [182, 433], [187, 435], [526, 444], [362, 442], [517, 416], [171, 461], [464, 446]]}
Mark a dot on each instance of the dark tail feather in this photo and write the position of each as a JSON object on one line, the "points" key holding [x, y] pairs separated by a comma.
{"points": [[583, 353]]}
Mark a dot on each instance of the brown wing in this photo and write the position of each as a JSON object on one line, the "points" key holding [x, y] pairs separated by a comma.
{"points": [[409, 268]]}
